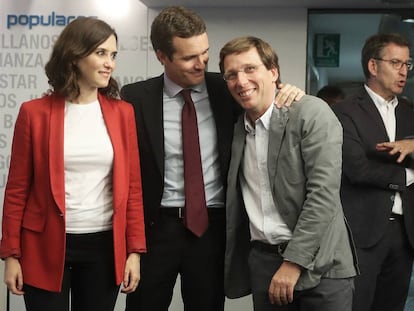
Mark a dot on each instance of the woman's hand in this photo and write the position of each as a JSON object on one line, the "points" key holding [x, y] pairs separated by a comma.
{"points": [[132, 273], [13, 276]]}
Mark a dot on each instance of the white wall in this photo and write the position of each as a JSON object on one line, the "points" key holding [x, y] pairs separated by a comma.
{"points": [[285, 29]]}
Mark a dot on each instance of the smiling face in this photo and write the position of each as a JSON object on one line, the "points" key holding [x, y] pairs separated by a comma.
{"points": [[254, 85], [386, 80], [189, 61], [95, 69]]}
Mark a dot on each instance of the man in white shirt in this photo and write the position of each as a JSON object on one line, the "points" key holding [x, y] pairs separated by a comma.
{"points": [[377, 191], [287, 241]]}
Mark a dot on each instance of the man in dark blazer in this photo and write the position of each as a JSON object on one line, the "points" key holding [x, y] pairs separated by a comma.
{"points": [[180, 41], [377, 191]]}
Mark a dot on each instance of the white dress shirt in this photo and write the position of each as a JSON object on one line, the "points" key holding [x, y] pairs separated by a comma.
{"points": [[173, 102], [266, 223], [387, 112]]}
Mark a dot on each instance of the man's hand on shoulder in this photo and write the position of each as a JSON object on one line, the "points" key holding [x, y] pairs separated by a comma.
{"points": [[287, 95]]}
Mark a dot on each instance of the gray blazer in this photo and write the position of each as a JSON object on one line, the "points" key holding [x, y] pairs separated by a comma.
{"points": [[304, 165]]}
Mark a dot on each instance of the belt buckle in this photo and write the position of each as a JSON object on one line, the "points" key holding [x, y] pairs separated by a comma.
{"points": [[394, 217]]}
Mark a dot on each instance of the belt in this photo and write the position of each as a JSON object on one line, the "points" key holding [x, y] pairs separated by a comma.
{"points": [[178, 212], [394, 216], [270, 248]]}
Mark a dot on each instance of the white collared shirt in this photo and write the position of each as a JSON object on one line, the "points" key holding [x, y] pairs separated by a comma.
{"points": [[387, 112], [266, 223]]}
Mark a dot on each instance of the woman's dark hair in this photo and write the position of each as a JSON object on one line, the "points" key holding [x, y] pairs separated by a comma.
{"points": [[77, 40]]}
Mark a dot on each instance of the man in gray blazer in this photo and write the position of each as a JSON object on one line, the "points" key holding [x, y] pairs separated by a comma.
{"points": [[287, 241]]}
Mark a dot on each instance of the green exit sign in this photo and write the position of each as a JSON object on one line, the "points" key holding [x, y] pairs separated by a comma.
{"points": [[326, 50]]}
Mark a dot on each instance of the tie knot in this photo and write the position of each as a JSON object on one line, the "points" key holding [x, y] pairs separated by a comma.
{"points": [[186, 94]]}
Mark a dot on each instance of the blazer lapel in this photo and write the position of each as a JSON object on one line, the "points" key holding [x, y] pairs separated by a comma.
{"points": [[111, 116], [402, 120], [366, 104], [225, 111], [152, 117], [278, 122], [56, 155], [233, 207], [239, 140]]}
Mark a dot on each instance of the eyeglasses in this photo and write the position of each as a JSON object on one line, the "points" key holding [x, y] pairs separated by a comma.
{"points": [[397, 64], [248, 70]]}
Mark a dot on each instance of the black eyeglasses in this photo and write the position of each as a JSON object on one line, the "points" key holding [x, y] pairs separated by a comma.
{"points": [[397, 64]]}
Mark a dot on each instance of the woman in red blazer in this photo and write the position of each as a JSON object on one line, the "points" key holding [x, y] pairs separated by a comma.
{"points": [[73, 215]]}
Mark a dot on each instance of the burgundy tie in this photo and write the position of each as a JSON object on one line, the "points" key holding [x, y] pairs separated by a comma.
{"points": [[195, 213]]}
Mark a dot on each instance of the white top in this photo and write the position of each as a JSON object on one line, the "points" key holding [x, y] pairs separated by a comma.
{"points": [[387, 112], [173, 102], [266, 223], [88, 160]]}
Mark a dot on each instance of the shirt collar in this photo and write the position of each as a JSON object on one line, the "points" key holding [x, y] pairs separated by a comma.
{"points": [[172, 89], [378, 100], [264, 120]]}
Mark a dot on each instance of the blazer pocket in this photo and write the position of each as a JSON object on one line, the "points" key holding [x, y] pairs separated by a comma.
{"points": [[34, 221]]}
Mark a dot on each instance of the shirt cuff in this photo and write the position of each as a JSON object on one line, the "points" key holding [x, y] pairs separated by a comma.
{"points": [[409, 176]]}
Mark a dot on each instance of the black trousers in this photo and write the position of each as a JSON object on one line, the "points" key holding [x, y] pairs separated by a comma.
{"points": [[173, 250], [88, 280], [385, 272], [329, 295]]}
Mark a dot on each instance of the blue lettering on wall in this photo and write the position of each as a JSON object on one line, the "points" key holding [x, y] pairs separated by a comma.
{"points": [[34, 20]]}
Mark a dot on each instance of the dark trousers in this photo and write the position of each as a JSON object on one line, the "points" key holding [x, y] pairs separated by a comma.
{"points": [[329, 295], [88, 280], [385, 272], [173, 250]]}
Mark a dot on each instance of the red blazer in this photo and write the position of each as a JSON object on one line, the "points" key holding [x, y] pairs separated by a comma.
{"points": [[33, 227]]}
